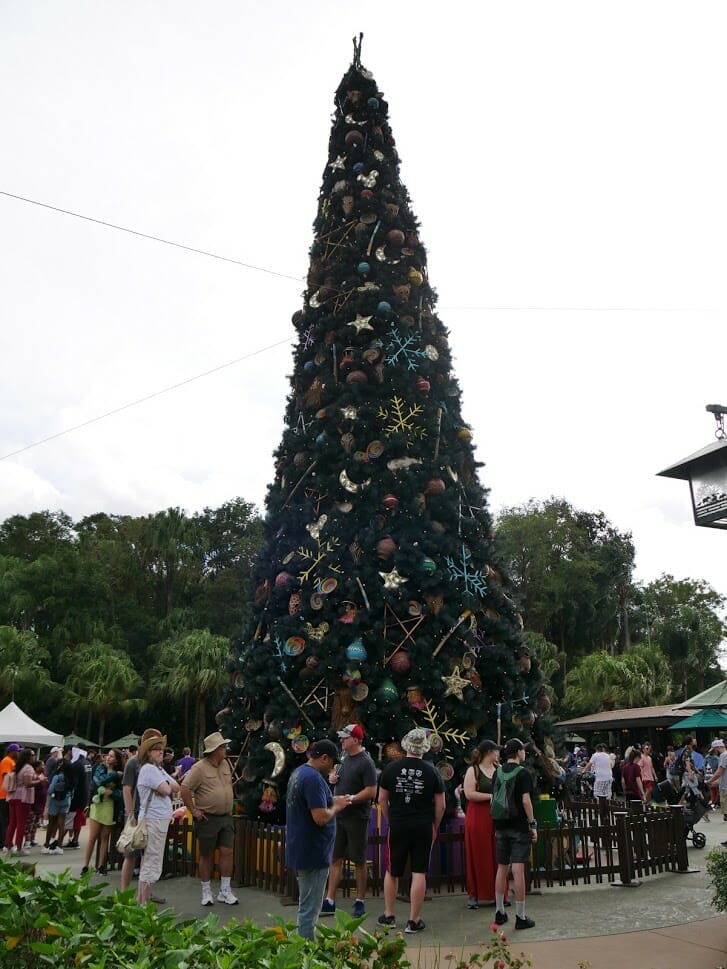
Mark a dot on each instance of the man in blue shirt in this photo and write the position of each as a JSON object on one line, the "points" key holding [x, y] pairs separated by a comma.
{"points": [[311, 829]]}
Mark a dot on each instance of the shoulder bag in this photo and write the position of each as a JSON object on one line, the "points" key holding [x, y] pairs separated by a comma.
{"points": [[134, 836]]}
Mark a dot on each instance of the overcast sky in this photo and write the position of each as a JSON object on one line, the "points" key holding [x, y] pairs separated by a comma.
{"points": [[567, 164]]}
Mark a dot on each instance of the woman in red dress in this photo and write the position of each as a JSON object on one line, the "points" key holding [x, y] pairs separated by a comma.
{"points": [[479, 829]]}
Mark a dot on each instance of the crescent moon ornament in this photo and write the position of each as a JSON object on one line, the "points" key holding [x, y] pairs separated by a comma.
{"points": [[351, 485], [279, 754], [382, 257]]}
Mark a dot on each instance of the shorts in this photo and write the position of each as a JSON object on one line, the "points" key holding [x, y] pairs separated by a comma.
{"points": [[409, 842], [512, 847], [215, 831], [352, 838], [56, 807], [153, 860]]}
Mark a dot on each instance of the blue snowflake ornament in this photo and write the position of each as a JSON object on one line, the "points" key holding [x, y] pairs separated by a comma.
{"points": [[460, 571], [404, 349]]}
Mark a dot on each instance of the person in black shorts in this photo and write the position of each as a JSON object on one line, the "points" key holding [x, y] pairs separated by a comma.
{"points": [[411, 795], [514, 836]]}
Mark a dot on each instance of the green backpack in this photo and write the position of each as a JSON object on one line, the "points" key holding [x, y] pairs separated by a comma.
{"points": [[503, 806]]}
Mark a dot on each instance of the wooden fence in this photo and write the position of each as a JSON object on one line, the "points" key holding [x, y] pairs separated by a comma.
{"points": [[615, 843]]}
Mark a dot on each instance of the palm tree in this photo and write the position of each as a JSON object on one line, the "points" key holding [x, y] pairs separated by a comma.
{"points": [[101, 679], [23, 670], [172, 542], [192, 665], [600, 681]]}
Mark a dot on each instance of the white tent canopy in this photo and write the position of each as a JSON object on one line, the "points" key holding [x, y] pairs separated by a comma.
{"points": [[16, 725]]}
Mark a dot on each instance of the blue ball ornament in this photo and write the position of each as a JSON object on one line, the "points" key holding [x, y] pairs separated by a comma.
{"points": [[372, 103], [309, 365], [358, 168], [383, 308], [356, 651], [363, 269]]}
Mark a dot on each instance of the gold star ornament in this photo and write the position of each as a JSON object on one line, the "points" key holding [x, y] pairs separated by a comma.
{"points": [[393, 581], [455, 684]]}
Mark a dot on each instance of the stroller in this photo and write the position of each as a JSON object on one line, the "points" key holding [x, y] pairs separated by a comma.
{"points": [[695, 807]]}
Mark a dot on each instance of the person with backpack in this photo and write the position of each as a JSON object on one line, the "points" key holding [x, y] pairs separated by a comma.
{"points": [[516, 829], [60, 790]]}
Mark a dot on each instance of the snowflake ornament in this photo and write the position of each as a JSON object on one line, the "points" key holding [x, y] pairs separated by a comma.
{"points": [[472, 580], [401, 420], [404, 349]]}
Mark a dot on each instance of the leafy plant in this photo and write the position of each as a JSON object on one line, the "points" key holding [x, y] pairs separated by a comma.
{"points": [[717, 869], [497, 953]]}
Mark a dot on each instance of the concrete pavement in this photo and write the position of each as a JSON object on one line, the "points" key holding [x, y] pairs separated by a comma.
{"points": [[668, 922]]}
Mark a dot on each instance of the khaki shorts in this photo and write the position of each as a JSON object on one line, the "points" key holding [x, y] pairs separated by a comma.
{"points": [[153, 860]]}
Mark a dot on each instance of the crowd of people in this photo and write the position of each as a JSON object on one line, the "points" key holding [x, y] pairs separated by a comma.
{"points": [[76, 788]]}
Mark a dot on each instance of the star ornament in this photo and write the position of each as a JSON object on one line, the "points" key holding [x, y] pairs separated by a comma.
{"points": [[393, 581], [361, 323], [339, 162], [455, 684]]}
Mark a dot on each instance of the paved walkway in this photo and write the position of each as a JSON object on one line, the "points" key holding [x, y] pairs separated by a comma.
{"points": [[668, 922]]}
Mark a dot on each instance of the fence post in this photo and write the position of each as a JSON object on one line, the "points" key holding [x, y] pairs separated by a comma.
{"points": [[679, 833], [624, 847]]}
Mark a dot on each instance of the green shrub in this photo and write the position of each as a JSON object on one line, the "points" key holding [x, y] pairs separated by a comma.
{"points": [[61, 921], [717, 869]]}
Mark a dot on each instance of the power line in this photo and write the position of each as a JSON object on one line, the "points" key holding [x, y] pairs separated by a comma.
{"points": [[146, 235], [141, 400]]}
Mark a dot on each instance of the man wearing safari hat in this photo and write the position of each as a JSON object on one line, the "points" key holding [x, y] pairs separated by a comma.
{"points": [[411, 796], [207, 794]]}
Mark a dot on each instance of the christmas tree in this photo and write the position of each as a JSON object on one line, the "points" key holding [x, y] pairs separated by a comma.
{"points": [[376, 595]]}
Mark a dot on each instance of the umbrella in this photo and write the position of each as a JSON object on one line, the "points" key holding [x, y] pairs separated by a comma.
{"points": [[125, 741], [73, 740], [715, 696], [707, 718]]}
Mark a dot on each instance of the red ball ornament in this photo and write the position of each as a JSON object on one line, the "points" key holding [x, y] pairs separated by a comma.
{"points": [[385, 547], [395, 237], [357, 377], [435, 487], [390, 502], [353, 138], [423, 385], [283, 580], [366, 193], [400, 662]]}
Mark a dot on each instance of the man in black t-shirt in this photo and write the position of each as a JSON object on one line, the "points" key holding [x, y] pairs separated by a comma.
{"points": [[515, 835], [411, 795]]}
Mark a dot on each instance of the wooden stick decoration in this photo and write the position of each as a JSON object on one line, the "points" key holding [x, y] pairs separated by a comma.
{"points": [[460, 619], [363, 593], [439, 432], [335, 363], [295, 701], [373, 235], [299, 482]]}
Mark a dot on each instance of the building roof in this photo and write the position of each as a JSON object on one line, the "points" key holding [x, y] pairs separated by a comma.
{"points": [[661, 716]]}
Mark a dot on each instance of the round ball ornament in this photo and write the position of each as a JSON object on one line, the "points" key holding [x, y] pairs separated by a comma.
{"points": [[423, 385], [300, 459], [390, 502], [363, 268], [357, 377], [358, 168], [372, 103], [412, 239], [366, 193], [353, 138], [283, 580], [464, 434], [400, 662], [383, 308], [356, 651], [385, 547], [435, 487], [395, 237], [415, 277]]}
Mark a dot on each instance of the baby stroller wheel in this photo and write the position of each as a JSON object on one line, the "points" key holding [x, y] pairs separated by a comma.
{"points": [[698, 839]]}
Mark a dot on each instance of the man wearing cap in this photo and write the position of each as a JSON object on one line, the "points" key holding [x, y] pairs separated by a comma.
{"points": [[207, 794], [719, 779], [355, 779], [411, 796], [7, 764], [514, 836], [311, 810]]}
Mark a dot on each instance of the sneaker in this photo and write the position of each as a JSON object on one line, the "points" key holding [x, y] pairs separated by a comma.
{"points": [[56, 851], [207, 899], [73, 844], [101, 870], [157, 899], [45, 850], [412, 927], [6, 850], [501, 917], [328, 908], [33, 844], [226, 897], [389, 920], [359, 909], [23, 852], [84, 870], [523, 923], [473, 903]]}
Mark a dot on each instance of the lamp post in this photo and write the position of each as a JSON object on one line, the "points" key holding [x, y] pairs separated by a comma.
{"points": [[706, 472]]}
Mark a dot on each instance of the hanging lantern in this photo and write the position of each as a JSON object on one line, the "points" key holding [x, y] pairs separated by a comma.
{"points": [[706, 472]]}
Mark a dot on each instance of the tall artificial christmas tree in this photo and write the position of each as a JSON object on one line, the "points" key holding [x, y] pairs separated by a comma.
{"points": [[376, 596]]}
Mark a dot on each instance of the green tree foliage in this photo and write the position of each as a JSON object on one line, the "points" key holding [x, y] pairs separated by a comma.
{"points": [[377, 591], [24, 674], [572, 572], [600, 681], [193, 666], [685, 617]]}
